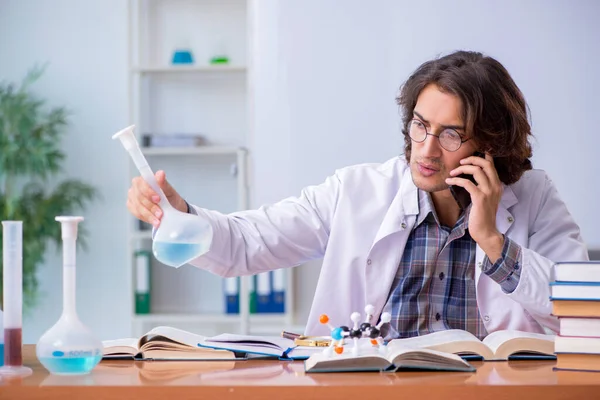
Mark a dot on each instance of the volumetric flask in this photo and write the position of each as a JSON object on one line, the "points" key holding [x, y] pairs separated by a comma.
{"points": [[181, 237], [69, 347], [12, 286]]}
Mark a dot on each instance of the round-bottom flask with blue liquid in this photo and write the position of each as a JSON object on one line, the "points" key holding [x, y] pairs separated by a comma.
{"points": [[181, 237], [69, 347]]}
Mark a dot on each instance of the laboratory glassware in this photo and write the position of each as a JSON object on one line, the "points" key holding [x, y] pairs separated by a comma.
{"points": [[180, 237], [12, 285], [1, 338], [69, 347]]}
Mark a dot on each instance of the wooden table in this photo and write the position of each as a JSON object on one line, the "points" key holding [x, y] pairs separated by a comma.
{"points": [[286, 380]]}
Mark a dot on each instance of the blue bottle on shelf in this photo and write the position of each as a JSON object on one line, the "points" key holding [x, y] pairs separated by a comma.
{"points": [[182, 56]]}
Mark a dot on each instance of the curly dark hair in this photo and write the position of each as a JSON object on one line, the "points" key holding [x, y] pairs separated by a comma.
{"points": [[494, 110]]}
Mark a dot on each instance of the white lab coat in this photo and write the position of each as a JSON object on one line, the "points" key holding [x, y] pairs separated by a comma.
{"points": [[359, 220]]}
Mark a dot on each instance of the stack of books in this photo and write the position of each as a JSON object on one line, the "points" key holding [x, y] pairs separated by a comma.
{"points": [[575, 296]]}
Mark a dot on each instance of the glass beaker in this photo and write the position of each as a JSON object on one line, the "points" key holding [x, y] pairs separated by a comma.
{"points": [[69, 347], [180, 237]]}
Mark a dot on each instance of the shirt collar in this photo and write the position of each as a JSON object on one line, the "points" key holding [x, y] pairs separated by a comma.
{"points": [[427, 212]]}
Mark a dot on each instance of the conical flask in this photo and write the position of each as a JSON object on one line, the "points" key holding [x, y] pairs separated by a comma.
{"points": [[69, 347], [181, 237]]}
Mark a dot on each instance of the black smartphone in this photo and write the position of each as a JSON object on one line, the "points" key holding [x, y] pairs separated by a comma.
{"points": [[460, 194]]}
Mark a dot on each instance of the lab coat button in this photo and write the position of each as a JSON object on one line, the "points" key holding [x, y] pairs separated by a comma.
{"points": [[369, 261], [510, 220], [403, 225], [486, 318]]}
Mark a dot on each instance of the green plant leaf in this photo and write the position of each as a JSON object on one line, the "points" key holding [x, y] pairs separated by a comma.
{"points": [[30, 153]]}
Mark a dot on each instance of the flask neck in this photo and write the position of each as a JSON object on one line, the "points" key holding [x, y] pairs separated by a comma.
{"points": [[69, 276]]}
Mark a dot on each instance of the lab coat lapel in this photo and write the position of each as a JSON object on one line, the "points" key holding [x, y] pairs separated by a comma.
{"points": [[406, 202], [388, 245]]}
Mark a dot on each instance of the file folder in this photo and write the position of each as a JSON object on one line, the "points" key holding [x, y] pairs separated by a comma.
{"points": [[232, 296], [278, 291], [142, 282], [263, 293], [252, 294]]}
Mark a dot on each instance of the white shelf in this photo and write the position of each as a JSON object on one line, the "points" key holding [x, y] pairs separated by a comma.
{"points": [[189, 69], [214, 100], [202, 150]]}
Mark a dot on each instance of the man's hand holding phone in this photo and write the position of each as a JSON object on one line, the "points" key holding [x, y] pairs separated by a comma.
{"points": [[485, 196]]}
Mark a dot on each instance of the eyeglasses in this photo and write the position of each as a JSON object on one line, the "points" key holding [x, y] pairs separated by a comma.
{"points": [[449, 139]]}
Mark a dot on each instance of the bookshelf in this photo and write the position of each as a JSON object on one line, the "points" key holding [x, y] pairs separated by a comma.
{"points": [[204, 99], [189, 69]]}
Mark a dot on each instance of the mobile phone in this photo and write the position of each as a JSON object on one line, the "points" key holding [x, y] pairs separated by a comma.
{"points": [[460, 194]]}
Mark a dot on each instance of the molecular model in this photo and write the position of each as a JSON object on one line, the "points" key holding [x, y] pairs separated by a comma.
{"points": [[364, 330]]}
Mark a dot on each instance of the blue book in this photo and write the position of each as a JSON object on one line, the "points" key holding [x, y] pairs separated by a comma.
{"points": [[268, 346]]}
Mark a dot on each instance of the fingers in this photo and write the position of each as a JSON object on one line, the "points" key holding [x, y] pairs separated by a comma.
{"points": [[480, 176], [467, 184], [484, 173], [143, 189], [161, 178], [486, 164], [142, 202], [174, 198]]}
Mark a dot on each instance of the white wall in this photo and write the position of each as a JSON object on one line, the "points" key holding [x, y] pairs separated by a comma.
{"points": [[336, 69], [326, 73], [85, 44]]}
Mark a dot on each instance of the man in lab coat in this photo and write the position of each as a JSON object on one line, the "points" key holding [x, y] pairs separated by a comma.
{"points": [[393, 235]]}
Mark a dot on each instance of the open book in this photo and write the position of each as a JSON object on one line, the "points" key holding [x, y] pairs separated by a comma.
{"points": [[443, 351], [268, 346], [164, 343], [395, 359], [499, 345]]}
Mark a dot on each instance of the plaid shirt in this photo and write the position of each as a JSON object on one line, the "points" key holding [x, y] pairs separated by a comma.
{"points": [[434, 287]]}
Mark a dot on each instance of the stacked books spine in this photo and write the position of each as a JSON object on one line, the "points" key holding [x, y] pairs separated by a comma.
{"points": [[575, 296]]}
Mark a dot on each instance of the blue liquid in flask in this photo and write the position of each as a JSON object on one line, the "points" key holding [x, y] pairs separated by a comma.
{"points": [[177, 253], [1, 354], [70, 365]]}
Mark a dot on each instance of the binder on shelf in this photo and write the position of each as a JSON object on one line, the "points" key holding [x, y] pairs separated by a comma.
{"points": [[142, 282], [252, 294], [263, 293], [173, 140], [278, 291], [232, 295]]}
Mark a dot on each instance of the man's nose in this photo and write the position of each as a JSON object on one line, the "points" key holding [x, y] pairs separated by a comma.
{"points": [[431, 146]]}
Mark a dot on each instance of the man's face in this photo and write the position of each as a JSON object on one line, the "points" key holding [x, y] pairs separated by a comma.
{"points": [[430, 163]]}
